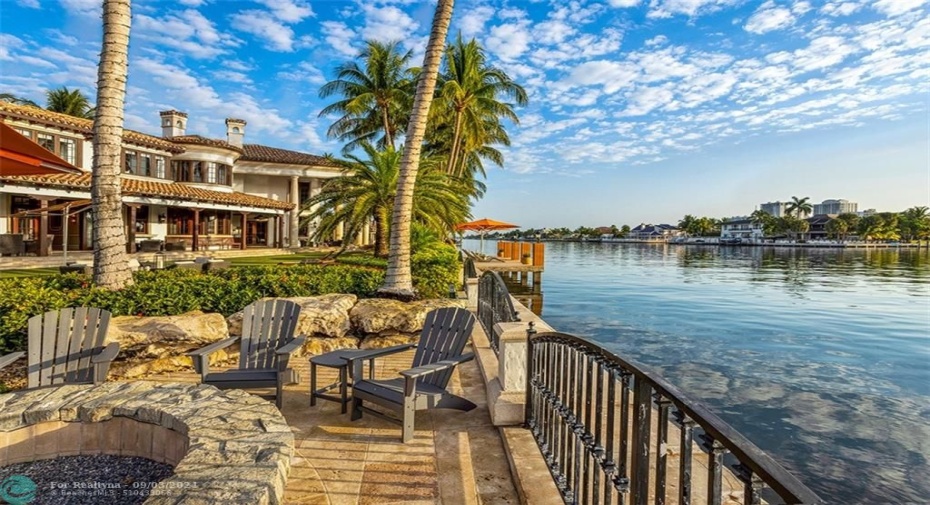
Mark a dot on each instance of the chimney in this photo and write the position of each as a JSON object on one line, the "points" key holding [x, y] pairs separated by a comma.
{"points": [[173, 123], [235, 130]]}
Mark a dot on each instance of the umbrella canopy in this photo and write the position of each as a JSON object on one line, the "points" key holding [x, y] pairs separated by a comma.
{"points": [[485, 225], [21, 156]]}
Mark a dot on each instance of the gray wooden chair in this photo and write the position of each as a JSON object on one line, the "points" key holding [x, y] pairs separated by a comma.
{"points": [[66, 347], [423, 386], [265, 348]]}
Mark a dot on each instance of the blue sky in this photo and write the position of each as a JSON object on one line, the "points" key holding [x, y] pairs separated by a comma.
{"points": [[641, 110]]}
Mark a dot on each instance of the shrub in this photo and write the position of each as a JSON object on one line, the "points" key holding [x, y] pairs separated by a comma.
{"points": [[435, 268]]}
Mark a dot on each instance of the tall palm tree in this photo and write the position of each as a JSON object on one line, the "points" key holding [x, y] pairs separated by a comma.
{"points": [[375, 96], [470, 91], [16, 100], [398, 281], [766, 220], [111, 264], [365, 193], [799, 207], [69, 101]]}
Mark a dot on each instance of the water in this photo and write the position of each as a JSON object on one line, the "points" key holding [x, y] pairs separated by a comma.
{"points": [[820, 357]]}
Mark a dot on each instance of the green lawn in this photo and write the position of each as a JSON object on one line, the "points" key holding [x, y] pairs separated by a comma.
{"points": [[236, 262]]}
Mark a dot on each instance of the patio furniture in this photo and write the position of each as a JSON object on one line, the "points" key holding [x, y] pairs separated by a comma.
{"points": [[66, 347], [179, 245], [11, 244], [150, 246], [340, 361], [266, 345], [423, 386]]}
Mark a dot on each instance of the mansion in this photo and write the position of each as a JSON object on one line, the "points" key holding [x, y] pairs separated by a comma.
{"points": [[185, 191]]}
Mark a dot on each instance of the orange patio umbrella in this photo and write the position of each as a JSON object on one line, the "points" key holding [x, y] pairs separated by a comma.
{"points": [[21, 156], [483, 226]]}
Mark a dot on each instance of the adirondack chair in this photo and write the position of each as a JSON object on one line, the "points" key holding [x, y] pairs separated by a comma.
{"points": [[66, 347], [423, 386], [265, 347]]}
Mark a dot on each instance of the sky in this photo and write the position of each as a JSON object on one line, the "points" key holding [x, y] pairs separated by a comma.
{"points": [[640, 110]]}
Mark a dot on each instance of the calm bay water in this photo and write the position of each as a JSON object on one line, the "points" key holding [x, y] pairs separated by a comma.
{"points": [[821, 357]]}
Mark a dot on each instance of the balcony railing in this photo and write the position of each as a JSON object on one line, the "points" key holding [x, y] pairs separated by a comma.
{"points": [[591, 413], [494, 305]]}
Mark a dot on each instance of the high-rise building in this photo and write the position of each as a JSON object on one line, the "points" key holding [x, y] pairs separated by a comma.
{"points": [[835, 207], [776, 209]]}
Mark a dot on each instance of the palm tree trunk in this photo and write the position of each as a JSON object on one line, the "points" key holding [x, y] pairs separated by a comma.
{"points": [[388, 138], [398, 282], [381, 232], [111, 264], [456, 138]]}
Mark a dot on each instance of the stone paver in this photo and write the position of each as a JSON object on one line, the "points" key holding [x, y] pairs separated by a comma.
{"points": [[455, 458]]}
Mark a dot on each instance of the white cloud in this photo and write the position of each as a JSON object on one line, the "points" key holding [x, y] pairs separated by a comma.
{"points": [[190, 33], [690, 8], [31, 4], [8, 42], [192, 3], [231, 76], [288, 11], [340, 37], [897, 7], [840, 8], [36, 62], [623, 3], [769, 17], [387, 23], [509, 41], [83, 7], [473, 20], [277, 36], [304, 71]]}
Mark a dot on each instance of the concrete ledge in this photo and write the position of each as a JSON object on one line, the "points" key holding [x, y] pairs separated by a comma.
{"points": [[229, 446], [531, 476]]}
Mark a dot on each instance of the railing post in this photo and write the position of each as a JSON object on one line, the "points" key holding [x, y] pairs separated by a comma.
{"points": [[715, 451], [528, 412], [684, 469], [642, 399]]}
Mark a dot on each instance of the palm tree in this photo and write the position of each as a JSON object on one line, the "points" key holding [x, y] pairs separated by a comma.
{"points": [[398, 281], [914, 223], [799, 206], [111, 266], [376, 96], [11, 98], [838, 228], [761, 217], [365, 193], [71, 102], [689, 224], [470, 90]]}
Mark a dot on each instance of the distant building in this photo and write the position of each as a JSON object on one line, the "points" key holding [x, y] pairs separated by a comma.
{"points": [[835, 207], [741, 227], [866, 212], [776, 209], [818, 226], [654, 232]]}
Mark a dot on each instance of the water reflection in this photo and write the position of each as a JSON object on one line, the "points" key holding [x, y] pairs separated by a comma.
{"points": [[820, 356]]}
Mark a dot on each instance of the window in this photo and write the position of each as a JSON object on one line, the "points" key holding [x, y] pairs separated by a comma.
{"points": [[197, 172], [66, 149], [211, 172], [160, 167], [142, 219], [221, 175], [132, 163], [146, 167], [45, 140], [25, 133]]}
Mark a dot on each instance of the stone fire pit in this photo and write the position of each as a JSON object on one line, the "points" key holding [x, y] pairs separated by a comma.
{"points": [[226, 446]]}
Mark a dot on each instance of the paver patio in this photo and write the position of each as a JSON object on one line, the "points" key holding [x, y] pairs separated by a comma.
{"points": [[456, 457]]}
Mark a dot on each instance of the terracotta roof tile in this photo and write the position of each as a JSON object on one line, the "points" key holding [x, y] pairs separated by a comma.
{"points": [[255, 152], [153, 188], [83, 126], [204, 141]]}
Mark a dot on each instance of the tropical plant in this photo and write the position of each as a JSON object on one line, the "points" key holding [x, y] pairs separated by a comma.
{"points": [[838, 228], [766, 220], [468, 118], [365, 193], [689, 224], [624, 230], [914, 223], [111, 264], [881, 226], [375, 96], [397, 281], [799, 207], [11, 98], [72, 102]]}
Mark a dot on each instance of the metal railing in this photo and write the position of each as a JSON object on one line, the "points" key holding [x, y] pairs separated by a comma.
{"points": [[469, 270], [494, 305], [591, 413]]}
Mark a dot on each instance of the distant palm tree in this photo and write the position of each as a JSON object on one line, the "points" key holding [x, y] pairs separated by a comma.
{"points": [[398, 281], [111, 264], [689, 224], [69, 101], [375, 96], [838, 228], [799, 207], [11, 98], [766, 220]]}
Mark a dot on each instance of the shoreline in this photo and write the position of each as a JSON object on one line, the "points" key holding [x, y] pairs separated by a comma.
{"points": [[712, 241]]}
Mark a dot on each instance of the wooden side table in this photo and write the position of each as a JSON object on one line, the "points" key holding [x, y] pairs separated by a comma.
{"points": [[337, 360]]}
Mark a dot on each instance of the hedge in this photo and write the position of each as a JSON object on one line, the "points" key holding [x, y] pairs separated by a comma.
{"points": [[171, 292]]}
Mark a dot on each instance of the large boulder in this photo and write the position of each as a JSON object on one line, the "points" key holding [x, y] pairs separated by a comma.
{"points": [[384, 316], [151, 345], [320, 316], [322, 345], [388, 339]]}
